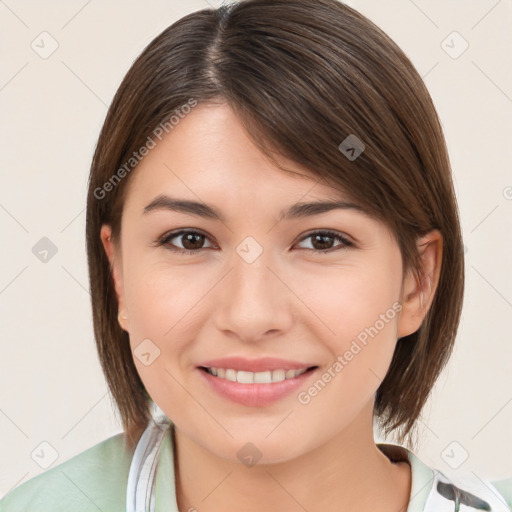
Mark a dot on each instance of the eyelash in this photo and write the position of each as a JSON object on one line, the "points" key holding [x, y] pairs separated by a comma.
{"points": [[333, 234]]}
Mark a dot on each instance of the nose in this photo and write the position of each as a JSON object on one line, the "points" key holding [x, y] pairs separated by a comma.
{"points": [[254, 300]]}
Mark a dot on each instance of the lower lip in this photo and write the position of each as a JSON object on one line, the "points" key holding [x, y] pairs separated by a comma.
{"points": [[255, 395]]}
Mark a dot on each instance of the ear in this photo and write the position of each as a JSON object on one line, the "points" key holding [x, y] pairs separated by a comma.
{"points": [[117, 275], [418, 294]]}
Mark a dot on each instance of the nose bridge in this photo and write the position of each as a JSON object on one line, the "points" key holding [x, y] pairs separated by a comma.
{"points": [[252, 283], [253, 299]]}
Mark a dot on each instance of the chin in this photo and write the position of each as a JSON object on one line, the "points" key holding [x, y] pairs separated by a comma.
{"points": [[256, 446]]}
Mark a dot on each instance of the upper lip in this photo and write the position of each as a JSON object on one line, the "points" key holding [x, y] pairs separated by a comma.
{"points": [[254, 365]]}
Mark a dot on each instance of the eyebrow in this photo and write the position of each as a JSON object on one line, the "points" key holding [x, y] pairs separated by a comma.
{"points": [[297, 210]]}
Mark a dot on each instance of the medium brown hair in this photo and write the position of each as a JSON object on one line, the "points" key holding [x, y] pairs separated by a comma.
{"points": [[302, 75]]}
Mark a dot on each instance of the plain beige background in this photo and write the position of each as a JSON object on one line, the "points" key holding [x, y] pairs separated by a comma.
{"points": [[54, 401]]}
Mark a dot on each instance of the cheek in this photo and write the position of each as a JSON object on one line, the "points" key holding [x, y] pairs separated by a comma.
{"points": [[161, 308], [365, 321], [166, 306], [348, 300], [162, 300], [359, 306]]}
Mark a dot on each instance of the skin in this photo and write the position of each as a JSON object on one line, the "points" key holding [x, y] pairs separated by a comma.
{"points": [[291, 302]]}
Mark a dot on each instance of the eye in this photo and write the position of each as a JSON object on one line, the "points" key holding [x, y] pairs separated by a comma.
{"points": [[323, 239], [192, 241]]}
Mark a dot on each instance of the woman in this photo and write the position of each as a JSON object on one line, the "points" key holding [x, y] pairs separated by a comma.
{"points": [[275, 262]]}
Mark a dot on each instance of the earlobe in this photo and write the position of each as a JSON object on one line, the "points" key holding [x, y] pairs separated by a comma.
{"points": [[419, 288], [117, 276]]}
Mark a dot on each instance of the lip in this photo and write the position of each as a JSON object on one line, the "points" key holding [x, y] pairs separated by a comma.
{"points": [[255, 365], [255, 395]]}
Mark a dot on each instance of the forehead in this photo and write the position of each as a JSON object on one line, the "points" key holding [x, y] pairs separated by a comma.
{"points": [[209, 157]]}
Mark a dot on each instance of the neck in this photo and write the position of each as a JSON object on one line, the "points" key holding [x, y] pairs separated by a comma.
{"points": [[347, 473]]}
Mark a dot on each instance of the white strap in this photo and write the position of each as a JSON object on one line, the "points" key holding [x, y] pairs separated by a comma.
{"points": [[140, 491]]}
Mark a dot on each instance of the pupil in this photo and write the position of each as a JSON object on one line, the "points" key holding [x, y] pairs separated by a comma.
{"points": [[190, 238], [323, 239]]}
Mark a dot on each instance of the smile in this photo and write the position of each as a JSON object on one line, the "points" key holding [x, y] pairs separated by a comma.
{"points": [[245, 377]]}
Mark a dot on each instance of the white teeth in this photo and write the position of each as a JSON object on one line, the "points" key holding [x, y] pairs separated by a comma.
{"points": [[231, 375], [244, 377], [278, 375], [261, 377]]}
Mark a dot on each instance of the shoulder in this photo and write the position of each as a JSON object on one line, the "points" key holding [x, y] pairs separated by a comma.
{"points": [[433, 491], [504, 488], [93, 480]]}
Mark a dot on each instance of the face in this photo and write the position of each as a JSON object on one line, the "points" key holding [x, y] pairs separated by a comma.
{"points": [[322, 291]]}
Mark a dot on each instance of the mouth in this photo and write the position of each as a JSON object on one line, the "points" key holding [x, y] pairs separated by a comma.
{"points": [[255, 382], [262, 377], [256, 389]]}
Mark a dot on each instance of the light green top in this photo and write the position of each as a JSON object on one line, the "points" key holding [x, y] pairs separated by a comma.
{"points": [[96, 479]]}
